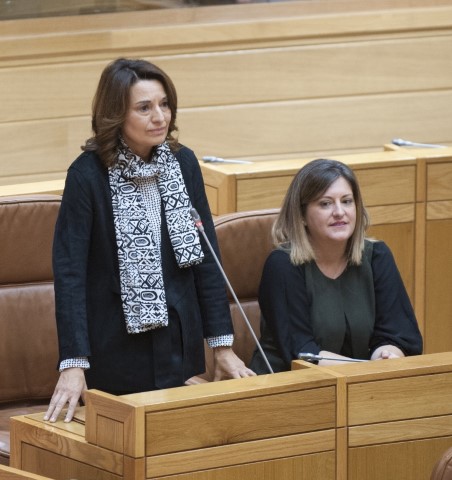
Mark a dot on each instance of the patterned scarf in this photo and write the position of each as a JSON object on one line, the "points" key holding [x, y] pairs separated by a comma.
{"points": [[140, 268]]}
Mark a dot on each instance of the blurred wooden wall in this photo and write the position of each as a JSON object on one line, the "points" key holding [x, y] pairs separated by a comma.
{"points": [[261, 81]]}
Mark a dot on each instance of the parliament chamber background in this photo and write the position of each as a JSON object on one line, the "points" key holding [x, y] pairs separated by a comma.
{"points": [[276, 85]]}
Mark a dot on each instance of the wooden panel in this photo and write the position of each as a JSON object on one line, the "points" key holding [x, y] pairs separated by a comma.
{"points": [[406, 430], [311, 71], [30, 437], [388, 214], [386, 400], [51, 145], [288, 22], [387, 186], [439, 181], [57, 466], [56, 91], [8, 473], [439, 210], [212, 198], [241, 454], [252, 127], [115, 424], [48, 147], [53, 187], [235, 422], [317, 466], [261, 193], [438, 286], [305, 71], [401, 461], [400, 239]]}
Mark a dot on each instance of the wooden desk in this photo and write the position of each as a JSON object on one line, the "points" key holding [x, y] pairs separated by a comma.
{"points": [[387, 178], [394, 417], [274, 426], [374, 420]]}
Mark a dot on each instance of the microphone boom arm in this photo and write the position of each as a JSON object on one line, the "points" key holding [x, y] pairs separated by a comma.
{"points": [[200, 227]]}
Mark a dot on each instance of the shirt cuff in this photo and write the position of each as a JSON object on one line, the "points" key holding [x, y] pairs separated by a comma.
{"points": [[220, 341], [78, 362]]}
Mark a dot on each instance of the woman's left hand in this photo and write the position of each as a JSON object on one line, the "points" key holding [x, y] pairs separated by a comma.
{"points": [[228, 365], [387, 351]]}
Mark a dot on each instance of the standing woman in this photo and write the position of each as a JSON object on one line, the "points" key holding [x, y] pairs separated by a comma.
{"points": [[326, 289], [136, 289]]}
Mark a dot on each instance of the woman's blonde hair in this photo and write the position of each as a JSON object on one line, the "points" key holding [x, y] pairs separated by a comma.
{"points": [[309, 184]]}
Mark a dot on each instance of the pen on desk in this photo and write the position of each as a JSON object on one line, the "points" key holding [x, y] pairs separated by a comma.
{"points": [[212, 159]]}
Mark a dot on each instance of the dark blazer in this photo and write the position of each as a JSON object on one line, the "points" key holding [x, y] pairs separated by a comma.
{"points": [[89, 313]]}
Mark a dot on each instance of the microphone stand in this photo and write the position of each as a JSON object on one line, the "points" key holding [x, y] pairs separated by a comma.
{"points": [[198, 223], [309, 357]]}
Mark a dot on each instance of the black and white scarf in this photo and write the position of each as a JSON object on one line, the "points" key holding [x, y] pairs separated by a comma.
{"points": [[140, 267]]}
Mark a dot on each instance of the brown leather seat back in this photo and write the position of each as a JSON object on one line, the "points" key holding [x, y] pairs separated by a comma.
{"points": [[28, 340], [245, 242], [443, 468]]}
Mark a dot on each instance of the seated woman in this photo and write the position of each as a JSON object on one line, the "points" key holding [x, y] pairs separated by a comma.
{"points": [[327, 289]]}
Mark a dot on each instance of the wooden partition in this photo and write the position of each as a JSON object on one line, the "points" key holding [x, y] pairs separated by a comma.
{"points": [[260, 427], [373, 420], [262, 81], [396, 416], [438, 259]]}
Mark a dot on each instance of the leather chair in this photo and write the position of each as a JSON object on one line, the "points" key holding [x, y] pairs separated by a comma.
{"points": [[28, 341], [443, 467], [245, 242]]}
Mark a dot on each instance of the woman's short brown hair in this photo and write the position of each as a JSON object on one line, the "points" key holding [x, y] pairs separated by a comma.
{"points": [[309, 184], [111, 102]]}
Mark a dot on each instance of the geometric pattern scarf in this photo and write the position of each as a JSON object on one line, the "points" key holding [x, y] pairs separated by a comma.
{"points": [[140, 268]]}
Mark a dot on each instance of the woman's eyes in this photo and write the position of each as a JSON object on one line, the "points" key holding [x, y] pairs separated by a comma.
{"points": [[145, 108], [327, 203]]}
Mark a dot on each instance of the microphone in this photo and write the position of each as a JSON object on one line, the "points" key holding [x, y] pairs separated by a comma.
{"points": [[212, 159], [198, 223], [406, 143], [310, 357]]}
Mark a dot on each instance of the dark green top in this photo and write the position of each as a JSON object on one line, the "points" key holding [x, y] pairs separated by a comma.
{"points": [[342, 310], [304, 311]]}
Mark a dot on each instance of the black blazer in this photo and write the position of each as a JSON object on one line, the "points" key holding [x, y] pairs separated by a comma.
{"points": [[89, 313]]}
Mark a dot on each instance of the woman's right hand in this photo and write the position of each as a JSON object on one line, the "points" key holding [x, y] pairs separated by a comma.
{"points": [[70, 387]]}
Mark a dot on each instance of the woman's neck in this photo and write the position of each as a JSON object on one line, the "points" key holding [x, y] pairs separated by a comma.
{"points": [[331, 261]]}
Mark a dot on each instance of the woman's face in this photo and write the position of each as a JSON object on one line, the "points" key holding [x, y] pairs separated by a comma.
{"points": [[148, 117], [332, 217]]}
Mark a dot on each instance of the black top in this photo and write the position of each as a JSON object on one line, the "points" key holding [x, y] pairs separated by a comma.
{"points": [[89, 310], [367, 306]]}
